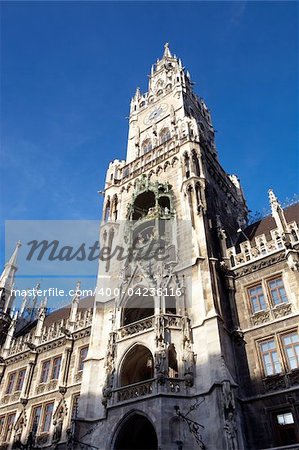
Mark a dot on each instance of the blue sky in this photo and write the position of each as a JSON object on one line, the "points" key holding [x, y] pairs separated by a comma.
{"points": [[69, 70]]}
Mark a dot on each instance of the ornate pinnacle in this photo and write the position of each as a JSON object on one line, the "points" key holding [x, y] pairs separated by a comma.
{"points": [[167, 53]]}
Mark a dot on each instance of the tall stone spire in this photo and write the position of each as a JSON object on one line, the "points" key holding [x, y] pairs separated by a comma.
{"points": [[7, 281]]}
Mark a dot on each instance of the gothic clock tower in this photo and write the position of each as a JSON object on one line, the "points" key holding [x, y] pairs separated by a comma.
{"points": [[160, 371]]}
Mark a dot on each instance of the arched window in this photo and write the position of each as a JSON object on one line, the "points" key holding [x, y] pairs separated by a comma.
{"points": [[187, 165], [195, 163], [160, 92], [138, 365], [115, 205], [164, 135], [110, 240], [147, 146], [107, 210]]}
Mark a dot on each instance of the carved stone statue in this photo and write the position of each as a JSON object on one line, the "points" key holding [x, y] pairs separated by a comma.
{"points": [[230, 429], [228, 396], [160, 366], [58, 423]]}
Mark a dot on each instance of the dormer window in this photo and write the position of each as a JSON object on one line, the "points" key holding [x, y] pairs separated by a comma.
{"points": [[160, 92]]}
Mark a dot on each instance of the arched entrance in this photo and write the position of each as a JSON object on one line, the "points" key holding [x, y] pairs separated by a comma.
{"points": [[137, 366], [136, 433]]}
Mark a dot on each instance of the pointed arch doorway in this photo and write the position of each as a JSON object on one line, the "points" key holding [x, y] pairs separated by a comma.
{"points": [[136, 433]]}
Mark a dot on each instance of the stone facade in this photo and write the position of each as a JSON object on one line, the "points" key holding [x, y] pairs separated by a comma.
{"points": [[193, 338]]}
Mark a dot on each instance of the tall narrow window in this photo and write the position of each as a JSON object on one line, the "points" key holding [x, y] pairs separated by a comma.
{"points": [[82, 357], [164, 135], [147, 146], [47, 417], [195, 163], [20, 380], [270, 358], [9, 427], [36, 415], [107, 211], [2, 422], [277, 291], [10, 383], [187, 165], [75, 406], [257, 298], [45, 372], [291, 349], [56, 368]]}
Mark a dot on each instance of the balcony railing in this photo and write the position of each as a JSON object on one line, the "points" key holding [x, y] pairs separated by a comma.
{"points": [[137, 327], [151, 387], [170, 321]]}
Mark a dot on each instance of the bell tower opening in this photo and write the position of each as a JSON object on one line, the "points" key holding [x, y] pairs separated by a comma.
{"points": [[137, 433], [138, 365]]}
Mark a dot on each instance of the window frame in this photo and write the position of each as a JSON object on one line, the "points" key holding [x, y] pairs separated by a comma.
{"points": [[58, 357], [79, 363], [44, 417], [6, 435], [283, 349], [32, 418], [41, 381], [10, 387], [17, 388], [252, 286], [271, 299], [261, 353]]}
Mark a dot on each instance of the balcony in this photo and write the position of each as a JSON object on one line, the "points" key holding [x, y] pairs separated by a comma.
{"points": [[147, 324], [148, 388]]}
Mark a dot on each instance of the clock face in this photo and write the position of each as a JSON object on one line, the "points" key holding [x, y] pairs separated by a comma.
{"points": [[155, 113]]}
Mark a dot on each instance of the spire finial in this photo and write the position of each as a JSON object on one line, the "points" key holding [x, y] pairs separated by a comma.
{"points": [[167, 53], [272, 197]]}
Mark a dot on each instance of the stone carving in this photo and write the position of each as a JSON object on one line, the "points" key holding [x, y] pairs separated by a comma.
{"points": [[230, 428], [58, 424], [137, 327], [228, 396], [110, 368], [260, 317], [160, 331], [188, 358], [139, 390], [282, 310], [161, 366]]}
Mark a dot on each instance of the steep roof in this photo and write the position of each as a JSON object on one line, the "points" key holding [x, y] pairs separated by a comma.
{"points": [[265, 225]]}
